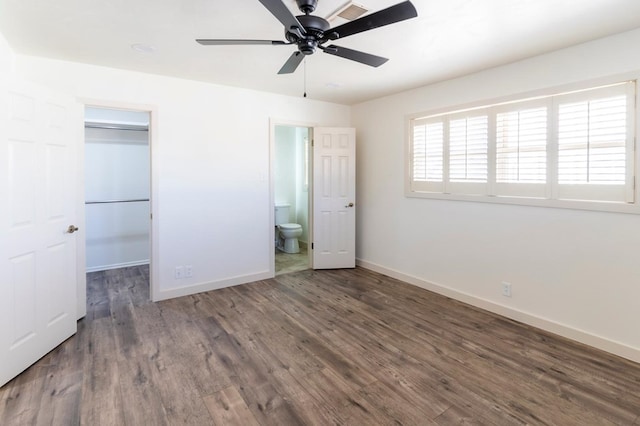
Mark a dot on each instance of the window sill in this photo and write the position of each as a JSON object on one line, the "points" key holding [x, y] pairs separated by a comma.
{"points": [[599, 206]]}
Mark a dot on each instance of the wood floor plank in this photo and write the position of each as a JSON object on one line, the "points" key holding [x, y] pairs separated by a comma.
{"points": [[367, 359], [334, 347], [486, 359], [409, 347], [137, 386], [402, 366], [516, 410], [396, 409], [60, 402], [142, 403], [509, 408], [227, 407], [250, 377], [155, 341], [330, 388], [98, 302], [101, 402], [394, 369], [181, 401], [287, 319], [232, 312], [456, 416], [21, 401], [314, 410]]}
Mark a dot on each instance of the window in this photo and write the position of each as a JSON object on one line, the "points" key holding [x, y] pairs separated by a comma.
{"points": [[427, 152], [569, 146], [468, 149], [522, 140], [594, 153], [521, 145]]}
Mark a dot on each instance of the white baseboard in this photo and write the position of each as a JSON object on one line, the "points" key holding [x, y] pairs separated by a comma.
{"points": [[212, 285], [563, 330], [117, 265]]}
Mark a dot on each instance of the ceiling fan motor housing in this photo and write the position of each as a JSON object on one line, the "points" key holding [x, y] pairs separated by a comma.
{"points": [[307, 6], [314, 27]]}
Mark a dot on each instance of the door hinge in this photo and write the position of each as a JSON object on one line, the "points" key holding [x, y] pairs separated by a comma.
{"points": [[151, 216], [311, 246], [312, 142]]}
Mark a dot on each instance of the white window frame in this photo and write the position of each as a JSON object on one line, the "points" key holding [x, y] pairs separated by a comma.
{"points": [[551, 193]]}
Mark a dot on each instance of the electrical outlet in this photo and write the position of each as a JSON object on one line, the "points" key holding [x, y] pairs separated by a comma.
{"points": [[506, 289], [188, 271], [179, 272]]}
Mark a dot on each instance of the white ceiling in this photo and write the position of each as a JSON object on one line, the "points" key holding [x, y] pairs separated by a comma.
{"points": [[448, 39]]}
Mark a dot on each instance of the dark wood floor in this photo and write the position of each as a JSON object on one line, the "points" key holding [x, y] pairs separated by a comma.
{"points": [[333, 347]]}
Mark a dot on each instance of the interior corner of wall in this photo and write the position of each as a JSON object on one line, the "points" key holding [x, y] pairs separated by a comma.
{"points": [[7, 57]]}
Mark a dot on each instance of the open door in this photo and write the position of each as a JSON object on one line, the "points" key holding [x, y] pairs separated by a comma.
{"points": [[334, 195], [38, 191]]}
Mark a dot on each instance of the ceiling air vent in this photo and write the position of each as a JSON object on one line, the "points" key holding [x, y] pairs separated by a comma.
{"points": [[348, 11]]}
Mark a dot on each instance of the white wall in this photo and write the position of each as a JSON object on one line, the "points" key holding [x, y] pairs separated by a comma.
{"points": [[576, 273], [302, 192], [210, 166], [285, 168], [6, 58]]}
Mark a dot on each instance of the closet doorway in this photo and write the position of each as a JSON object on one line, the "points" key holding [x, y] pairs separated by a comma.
{"points": [[117, 164]]}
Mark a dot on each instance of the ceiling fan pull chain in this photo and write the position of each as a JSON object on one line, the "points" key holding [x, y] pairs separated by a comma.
{"points": [[305, 77]]}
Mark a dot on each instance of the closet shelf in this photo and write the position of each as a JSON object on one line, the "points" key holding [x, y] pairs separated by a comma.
{"points": [[138, 200], [116, 126]]}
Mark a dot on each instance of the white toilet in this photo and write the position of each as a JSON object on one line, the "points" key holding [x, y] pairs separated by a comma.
{"points": [[287, 240]]}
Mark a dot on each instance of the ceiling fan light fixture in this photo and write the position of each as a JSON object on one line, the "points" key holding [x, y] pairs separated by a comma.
{"points": [[348, 11], [143, 48], [307, 6]]}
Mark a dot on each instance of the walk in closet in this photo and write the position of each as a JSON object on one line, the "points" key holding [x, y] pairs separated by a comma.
{"points": [[117, 188]]}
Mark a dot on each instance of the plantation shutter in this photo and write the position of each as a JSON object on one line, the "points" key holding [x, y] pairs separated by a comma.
{"points": [[595, 144], [521, 149], [427, 153], [468, 154], [575, 145]]}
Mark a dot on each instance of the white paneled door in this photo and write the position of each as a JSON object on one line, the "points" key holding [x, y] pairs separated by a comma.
{"points": [[334, 196], [38, 148]]}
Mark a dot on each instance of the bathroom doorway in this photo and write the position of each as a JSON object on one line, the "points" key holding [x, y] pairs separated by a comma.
{"points": [[291, 173]]}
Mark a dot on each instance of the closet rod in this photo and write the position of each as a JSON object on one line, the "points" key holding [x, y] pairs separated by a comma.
{"points": [[117, 201], [138, 128]]}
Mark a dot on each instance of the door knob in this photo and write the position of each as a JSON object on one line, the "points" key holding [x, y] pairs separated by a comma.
{"points": [[72, 228], [349, 205]]}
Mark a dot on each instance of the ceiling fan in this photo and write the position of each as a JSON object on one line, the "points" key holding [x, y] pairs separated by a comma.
{"points": [[309, 32]]}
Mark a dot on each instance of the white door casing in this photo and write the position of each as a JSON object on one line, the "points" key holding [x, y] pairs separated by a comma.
{"points": [[334, 195], [38, 192]]}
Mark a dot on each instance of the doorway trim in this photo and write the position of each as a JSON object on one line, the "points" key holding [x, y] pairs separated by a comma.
{"points": [[273, 122], [154, 264]]}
